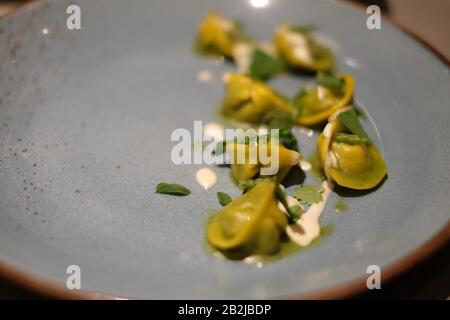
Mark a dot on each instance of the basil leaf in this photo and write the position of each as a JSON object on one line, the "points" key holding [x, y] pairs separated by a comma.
{"points": [[328, 80], [295, 213], [172, 189], [349, 119], [287, 139], [224, 198], [350, 139], [263, 65]]}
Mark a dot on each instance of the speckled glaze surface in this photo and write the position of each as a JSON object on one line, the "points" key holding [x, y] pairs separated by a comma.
{"points": [[85, 124]]}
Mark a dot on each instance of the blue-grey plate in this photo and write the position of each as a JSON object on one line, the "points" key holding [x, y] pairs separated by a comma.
{"points": [[86, 118]]}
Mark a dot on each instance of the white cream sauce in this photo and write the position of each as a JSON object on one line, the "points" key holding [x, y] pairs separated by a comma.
{"points": [[305, 131], [305, 165], [206, 178], [307, 228], [213, 130], [204, 76]]}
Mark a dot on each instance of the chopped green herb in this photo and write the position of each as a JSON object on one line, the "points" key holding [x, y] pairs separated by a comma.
{"points": [[279, 121], [309, 194], [294, 212], [221, 145], [328, 80], [247, 184], [224, 198], [303, 29], [172, 189], [287, 139], [340, 206], [350, 139], [264, 66], [349, 119]]}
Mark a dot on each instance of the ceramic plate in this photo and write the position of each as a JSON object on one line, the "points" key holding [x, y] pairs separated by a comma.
{"points": [[86, 118]]}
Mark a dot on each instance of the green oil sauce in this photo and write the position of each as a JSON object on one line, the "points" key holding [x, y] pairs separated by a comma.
{"points": [[340, 206], [290, 248], [287, 249]]}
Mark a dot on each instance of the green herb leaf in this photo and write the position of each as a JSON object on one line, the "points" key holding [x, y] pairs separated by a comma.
{"points": [[224, 198], [303, 29], [264, 66], [287, 139], [340, 206], [293, 213], [309, 194], [172, 189], [279, 121], [247, 184], [350, 139], [328, 80], [349, 119], [359, 112], [221, 145]]}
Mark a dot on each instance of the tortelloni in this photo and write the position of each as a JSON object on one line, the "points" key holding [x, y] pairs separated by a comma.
{"points": [[351, 161], [246, 168], [250, 101], [328, 96], [301, 51], [250, 225], [217, 34]]}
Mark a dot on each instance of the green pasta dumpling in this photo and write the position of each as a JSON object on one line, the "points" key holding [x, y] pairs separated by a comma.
{"points": [[250, 225], [249, 100]]}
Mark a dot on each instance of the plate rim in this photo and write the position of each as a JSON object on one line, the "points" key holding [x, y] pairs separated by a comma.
{"points": [[346, 289]]}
